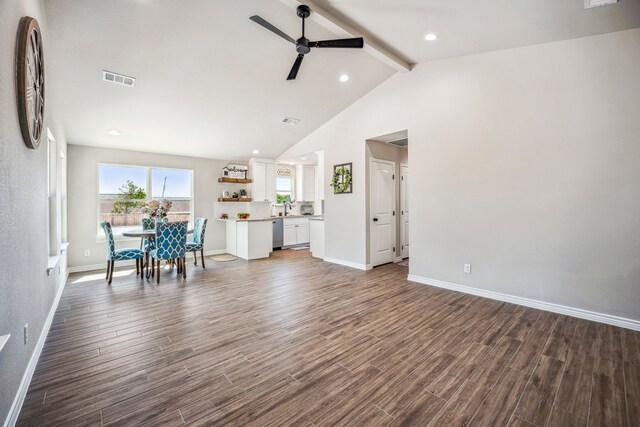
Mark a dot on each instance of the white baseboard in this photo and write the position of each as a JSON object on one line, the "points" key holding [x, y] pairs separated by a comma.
{"points": [[14, 412], [348, 263], [398, 259], [103, 266], [541, 305]]}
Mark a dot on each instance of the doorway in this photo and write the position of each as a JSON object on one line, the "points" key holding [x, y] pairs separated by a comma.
{"points": [[382, 211], [387, 160]]}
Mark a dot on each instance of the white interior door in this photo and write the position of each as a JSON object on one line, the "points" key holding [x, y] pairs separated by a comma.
{"points": [[382, 221], [404, 210]]}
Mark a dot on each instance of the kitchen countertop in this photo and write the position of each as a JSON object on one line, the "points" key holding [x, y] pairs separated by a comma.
{"points": [[311, 217], [245, 220]]}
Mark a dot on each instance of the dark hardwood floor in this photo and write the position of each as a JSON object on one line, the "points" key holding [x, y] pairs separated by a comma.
{"points": [[296, 341]]}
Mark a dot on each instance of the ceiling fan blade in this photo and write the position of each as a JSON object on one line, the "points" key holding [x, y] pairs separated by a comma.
{"points": [[273, 29], [296, 66], [357, 43]]}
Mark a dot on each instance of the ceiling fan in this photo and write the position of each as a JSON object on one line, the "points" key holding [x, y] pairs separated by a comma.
{"points": [[304, 45]]}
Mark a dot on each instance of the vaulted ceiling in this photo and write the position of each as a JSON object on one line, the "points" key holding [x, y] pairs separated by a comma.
{"points": [[211, 83]]}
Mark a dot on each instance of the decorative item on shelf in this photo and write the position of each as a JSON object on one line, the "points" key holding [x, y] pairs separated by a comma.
{"points": [[224, 216], [225, 194], [237, 171], [235, 195], [243, 194], [244, 215], [225, 172], [157, 209], [30, 81], [342, 180]]}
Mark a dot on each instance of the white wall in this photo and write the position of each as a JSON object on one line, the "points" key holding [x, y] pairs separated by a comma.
{"points": [[83, 201], [27, 294], [524, 164]]}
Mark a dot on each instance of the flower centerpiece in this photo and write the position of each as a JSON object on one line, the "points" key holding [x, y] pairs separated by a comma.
{"points": [[157, 209]]}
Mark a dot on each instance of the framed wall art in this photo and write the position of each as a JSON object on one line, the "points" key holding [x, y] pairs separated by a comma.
{"points": [[342, 178]]}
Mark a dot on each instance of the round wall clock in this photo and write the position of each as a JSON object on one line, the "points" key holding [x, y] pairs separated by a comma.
{"points": [[30, 81]]}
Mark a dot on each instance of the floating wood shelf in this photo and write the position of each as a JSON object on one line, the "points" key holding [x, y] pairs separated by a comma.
{"points": [[235, 180], [231, 199]]}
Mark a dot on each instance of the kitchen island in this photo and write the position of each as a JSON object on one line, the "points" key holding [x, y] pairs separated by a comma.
{"points": [[250, 238]]}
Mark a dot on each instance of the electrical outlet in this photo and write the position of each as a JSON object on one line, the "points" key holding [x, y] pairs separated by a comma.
{"points": [[467, 268], [26, 333], [87, 252]]}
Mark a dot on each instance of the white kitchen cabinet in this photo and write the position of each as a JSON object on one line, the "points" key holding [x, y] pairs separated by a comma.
{"points": [[302, 234], [252, 239], [305, 183], [270, 182], [320, 177], [296, 231], [316, 241], [263, 175], [289, 235]]}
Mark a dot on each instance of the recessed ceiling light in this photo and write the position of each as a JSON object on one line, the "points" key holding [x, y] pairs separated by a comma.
{"points": [[344, 78], [430, 37], [115, 132], [303, 158], [256, 151], [291, 163]]}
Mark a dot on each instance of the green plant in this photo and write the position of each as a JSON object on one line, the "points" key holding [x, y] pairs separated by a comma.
{"points": [[283, 198], [129, 198]]}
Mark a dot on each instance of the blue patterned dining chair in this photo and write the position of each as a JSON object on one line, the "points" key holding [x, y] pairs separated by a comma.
{"points": [[171, 243], [145, 242], [114, 254], [199, 228]]}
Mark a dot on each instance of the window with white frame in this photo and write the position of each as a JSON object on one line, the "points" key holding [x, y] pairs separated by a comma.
{"points": [[284, 189], [124, 190], [52, 188]]}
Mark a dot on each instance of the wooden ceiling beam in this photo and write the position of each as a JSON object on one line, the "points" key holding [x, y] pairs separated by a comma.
{"points": [[345, 30]]}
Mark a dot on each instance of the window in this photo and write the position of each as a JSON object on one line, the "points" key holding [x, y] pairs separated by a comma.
{"points": [[124, 190], [52, 187], [284, 189]]}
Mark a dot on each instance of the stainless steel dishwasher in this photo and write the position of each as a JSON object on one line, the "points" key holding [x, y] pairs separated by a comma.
{"points": [[277, 233]]}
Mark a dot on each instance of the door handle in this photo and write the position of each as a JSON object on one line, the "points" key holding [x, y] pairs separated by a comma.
{"points": [[375, 219]]}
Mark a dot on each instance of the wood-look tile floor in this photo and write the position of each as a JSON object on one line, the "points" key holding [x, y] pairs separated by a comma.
{"points": [[296, 341]]}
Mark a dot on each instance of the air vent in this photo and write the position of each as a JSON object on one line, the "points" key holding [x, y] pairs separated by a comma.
{"points": [[120, 79], [290, 121], [588, 4], [400, 142]]}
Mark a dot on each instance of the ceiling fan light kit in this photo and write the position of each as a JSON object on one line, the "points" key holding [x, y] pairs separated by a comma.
{"points": [[303, 44]]}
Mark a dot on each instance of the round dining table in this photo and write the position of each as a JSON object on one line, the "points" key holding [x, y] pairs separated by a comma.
{"points": [[149, 235]]}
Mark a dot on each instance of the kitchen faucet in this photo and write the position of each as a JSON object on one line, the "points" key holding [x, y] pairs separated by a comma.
{"points": [[285, 207]]}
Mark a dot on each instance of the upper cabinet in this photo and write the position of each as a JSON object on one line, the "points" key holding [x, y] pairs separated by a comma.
{"points": [[320, 176], [305, 183], [263, 174]]}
